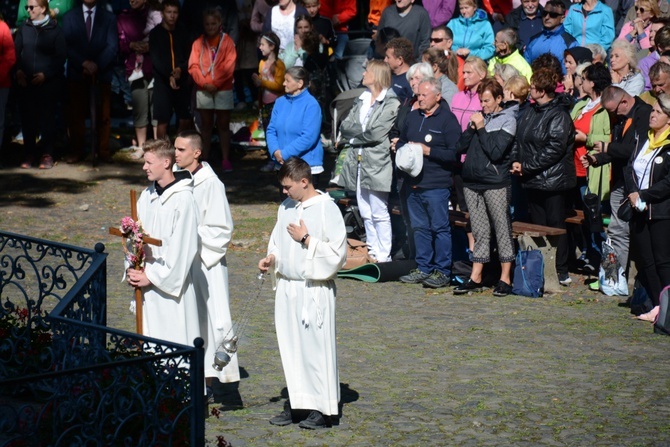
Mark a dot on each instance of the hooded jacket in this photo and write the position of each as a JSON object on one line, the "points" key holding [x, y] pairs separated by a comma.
{"points": [[544, 146], [375, 162], [488, 150], [475, 34], [41, 49], [596, 27]]}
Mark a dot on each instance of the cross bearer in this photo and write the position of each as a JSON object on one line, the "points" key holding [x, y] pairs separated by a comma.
{"points": [[168, 212]]}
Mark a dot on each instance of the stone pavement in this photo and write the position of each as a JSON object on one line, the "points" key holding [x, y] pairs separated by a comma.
{"points": [[417, 367]]}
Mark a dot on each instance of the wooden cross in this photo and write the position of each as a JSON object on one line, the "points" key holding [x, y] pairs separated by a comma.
{"points": [[145, 240]]}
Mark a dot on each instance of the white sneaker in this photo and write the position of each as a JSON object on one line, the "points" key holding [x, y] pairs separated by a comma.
{"points": [[135, 75]]}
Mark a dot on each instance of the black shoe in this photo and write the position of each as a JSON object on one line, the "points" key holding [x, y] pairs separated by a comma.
{"points": [[414, 277], [502, 289], [314, 421], [469, 286], [283, 418], [210, 395], [436, 280]]}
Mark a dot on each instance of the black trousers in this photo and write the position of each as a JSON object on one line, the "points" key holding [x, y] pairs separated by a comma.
{"points": [[38, 116], [651, 252], [548, 208]]}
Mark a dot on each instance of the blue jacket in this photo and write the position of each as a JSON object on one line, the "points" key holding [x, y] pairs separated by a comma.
{"points": [[439, 131], [555, 42], [101, 49], [599, 26], [475, 34], [295, 128]]}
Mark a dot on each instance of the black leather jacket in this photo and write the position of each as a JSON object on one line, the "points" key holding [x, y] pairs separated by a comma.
{"points": [[544, 146]]}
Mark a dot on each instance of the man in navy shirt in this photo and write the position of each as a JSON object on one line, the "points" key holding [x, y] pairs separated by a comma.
{"points": [[526, 20], [435, 128], [399, 56]]}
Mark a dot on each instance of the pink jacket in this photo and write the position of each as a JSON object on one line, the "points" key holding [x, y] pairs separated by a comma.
{"points": [[7, 55], [643, 43], [464, 104]]}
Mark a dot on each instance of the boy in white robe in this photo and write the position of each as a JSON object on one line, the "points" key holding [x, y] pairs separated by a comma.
{"points": [[168, 212], [210, 271], [306, 250]]}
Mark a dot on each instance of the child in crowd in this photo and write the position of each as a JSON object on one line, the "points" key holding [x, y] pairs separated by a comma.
{"points": [[154, 18], [321, 25], [211, 65], [270, 79], [294, 54]]}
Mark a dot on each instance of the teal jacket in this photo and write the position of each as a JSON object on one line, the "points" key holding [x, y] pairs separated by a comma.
{"points": [[475, 34]]}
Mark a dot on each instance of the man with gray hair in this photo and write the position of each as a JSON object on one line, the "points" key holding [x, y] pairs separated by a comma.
{"points": [[435, 129], [659, 75], [629, 132], [507, 53]]}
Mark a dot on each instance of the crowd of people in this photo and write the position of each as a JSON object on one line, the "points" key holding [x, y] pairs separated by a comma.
{"points": [[505, 110]]}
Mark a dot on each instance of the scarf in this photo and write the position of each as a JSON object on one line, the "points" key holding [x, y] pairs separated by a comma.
{"points": [[44, 21], [655, 143]]}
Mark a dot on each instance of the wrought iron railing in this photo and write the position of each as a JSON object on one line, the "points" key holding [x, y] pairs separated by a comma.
{"points": [[65, 378]]}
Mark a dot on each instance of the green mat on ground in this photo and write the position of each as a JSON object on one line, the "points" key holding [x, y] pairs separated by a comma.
{"points": [[379, 272]]}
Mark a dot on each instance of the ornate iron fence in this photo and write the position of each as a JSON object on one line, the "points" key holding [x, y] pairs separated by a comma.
{"points": [[68, 380]]}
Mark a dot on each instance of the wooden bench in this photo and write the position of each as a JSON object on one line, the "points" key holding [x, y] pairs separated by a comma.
{"points": [[529, 236]]}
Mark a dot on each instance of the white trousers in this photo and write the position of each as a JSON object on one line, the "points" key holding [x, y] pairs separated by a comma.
{"points": [[373, 206]]}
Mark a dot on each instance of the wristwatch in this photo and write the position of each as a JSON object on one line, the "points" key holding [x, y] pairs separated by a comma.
{"points": [[304, 238]]}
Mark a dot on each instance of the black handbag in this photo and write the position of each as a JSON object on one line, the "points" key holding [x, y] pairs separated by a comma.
{"points": [[593, 208], [625, 211]]}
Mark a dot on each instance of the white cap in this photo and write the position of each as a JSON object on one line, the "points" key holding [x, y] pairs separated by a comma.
{"points": [[409, 158]]}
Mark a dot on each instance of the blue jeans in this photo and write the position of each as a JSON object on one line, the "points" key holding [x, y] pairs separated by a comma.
{"points": [[429, 214], [341, 45]]}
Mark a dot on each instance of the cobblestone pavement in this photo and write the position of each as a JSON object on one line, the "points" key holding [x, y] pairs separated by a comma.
{"points": [[417, 367]]}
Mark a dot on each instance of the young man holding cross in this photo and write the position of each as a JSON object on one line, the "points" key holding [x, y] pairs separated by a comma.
{"points": [[210, 271], [168, 212], [307, 248]]}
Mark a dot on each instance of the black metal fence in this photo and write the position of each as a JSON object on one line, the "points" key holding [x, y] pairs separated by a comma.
{"points": [[68, 380]]}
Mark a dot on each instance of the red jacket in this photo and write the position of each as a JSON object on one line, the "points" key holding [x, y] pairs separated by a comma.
{"points": [[345, 10], [7, 55]]}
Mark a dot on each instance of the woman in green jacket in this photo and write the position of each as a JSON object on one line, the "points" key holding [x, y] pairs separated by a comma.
{"points": [[592, 123]]}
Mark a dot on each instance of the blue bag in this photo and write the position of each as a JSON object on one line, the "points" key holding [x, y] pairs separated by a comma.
{"points": [[529, 274]]}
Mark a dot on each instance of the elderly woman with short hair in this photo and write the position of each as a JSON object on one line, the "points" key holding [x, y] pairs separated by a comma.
{"points": [[623, 68], [367, 168]]}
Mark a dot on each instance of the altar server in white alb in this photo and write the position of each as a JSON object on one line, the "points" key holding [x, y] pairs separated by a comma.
{"points": [[210, 271], [306, 250], [168, 212]]}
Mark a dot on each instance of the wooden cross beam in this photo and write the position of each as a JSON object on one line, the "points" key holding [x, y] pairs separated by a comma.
{"points": [[145, 240]]}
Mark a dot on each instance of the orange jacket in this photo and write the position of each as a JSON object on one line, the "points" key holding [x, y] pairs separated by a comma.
{"points": [[276, 86], [376, 8], [220, 73]]}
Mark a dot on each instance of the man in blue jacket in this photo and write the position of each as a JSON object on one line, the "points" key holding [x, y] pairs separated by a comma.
{"points": [[92, 43], [553, 39], [436, 129]]}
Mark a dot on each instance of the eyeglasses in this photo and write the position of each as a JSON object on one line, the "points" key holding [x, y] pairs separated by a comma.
{"points": [[640, 10], [553, 15], [30, 7], [437, 39]]}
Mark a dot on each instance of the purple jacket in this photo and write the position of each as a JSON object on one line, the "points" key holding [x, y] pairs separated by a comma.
{"points": [[645, 64], [132, 24], [440, 11]]}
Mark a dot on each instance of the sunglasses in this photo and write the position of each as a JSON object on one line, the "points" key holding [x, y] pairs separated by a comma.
{"points": [[437, 39], [553, 15], [640, 10], [30, 7]]}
